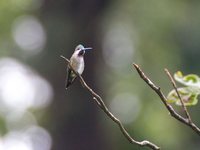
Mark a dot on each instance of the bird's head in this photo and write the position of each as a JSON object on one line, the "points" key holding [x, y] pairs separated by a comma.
{"points": [[80, 50]]}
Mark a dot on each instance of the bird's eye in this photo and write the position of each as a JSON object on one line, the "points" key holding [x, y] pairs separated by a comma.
{"points": [[81, 53]]}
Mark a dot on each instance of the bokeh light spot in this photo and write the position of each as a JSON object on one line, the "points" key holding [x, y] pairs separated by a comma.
{"points": [[16, 141], [118, 47], [21, 88], [29, 34], [126, 106], [20, 120], [40, 138]]}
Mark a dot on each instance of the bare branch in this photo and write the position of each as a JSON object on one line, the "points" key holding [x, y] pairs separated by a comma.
{"points": [[98, 100], [179, 96], [173, 113]]}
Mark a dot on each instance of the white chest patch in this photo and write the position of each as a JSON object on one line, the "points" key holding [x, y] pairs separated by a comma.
{"points": [[78, 64]]}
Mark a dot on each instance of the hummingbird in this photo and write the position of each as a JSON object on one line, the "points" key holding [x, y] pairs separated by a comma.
{"points": [[77, 63]]}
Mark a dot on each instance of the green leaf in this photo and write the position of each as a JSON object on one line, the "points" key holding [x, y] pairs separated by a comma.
{"points": [[188, 95], [188, 80]]}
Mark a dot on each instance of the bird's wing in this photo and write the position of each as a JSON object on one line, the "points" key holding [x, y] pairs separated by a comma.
{"points": [[71, 76]]}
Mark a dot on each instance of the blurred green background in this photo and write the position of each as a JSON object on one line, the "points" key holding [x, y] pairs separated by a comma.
{"points": [[37, 113]]}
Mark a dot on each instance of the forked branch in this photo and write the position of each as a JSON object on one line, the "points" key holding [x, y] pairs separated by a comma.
{"points": [[187, 121], [179, 96], [98, 100]]}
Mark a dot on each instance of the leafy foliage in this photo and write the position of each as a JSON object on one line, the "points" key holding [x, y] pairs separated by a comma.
{"points": [[189, 93]]}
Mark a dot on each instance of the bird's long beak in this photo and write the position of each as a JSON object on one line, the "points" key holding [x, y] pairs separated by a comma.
{"points": [[88, 48]]}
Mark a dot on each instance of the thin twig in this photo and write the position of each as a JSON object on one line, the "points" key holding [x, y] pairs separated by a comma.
{"points": [[179, 96], [102, 105], [173, 113]]}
